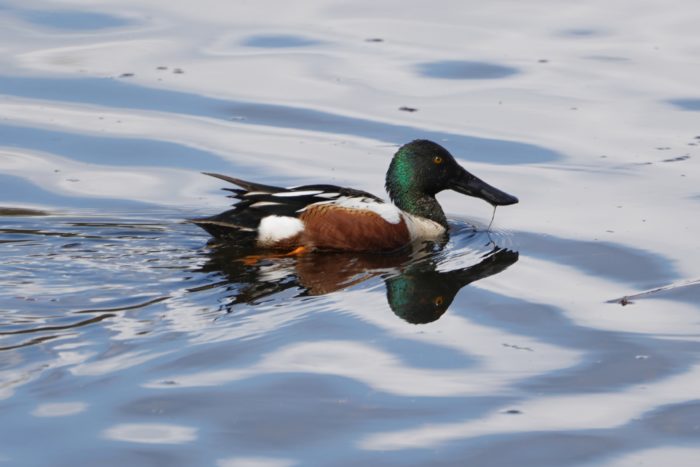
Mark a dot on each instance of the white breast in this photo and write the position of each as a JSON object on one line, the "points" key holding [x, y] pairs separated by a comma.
{"points": [[422, 228]]}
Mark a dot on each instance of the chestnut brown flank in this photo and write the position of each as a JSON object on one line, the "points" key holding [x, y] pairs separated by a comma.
{"points": [[330, 227]]}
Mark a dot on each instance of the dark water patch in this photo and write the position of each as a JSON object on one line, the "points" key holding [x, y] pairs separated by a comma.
{"points": [[614, 261], [541, 449], [462, 69], [121, 151], [71, 20], [121, 94], [326, 403], [690, 103], [615, 364], [19, 190], [675, 421], [276, 41], [334, 409], [613, 360]]}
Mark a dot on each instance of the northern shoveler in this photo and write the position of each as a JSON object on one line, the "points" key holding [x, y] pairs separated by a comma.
{"points": [[328, 217]]}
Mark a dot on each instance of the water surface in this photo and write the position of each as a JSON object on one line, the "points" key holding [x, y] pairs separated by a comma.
{"points": [[565, 335]]}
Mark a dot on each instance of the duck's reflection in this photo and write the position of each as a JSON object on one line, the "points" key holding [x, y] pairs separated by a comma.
{"points": [[416, 290]]}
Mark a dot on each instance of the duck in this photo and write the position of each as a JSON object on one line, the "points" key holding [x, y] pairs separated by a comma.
{"points": [[327, 217]]}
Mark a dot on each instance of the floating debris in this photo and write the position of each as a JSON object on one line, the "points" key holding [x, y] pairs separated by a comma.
{"points": [[127, 75], [408, 109], [627, 299], [374, 39], [4, 211], [161, 68], [517, 347], [677, 159], [178, 71]]}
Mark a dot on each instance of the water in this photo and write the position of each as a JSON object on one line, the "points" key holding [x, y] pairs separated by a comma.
{"points": [[567, 335]]}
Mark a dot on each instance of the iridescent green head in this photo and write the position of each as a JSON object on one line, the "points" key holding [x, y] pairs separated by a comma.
{"points": [[421, 169]]}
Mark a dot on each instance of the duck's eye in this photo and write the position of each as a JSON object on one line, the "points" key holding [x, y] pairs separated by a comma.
{"points": [[438, 300], [437, 159]]}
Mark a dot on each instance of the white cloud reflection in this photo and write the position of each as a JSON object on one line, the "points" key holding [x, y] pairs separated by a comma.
{"points": [[583, 411], [151, 433], [59, 409], [675, 456], [380, 370], [119, 362], [255, 462]]}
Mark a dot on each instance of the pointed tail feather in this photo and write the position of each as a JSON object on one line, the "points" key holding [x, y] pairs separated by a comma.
{"points": [[226, 230], [250, 186]]}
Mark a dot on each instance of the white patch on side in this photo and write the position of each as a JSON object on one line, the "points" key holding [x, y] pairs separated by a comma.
{"points": [[387, 211], [288, 194], [273, 229], [328, 195], [256, 193], [422, 228], [261, 204]]}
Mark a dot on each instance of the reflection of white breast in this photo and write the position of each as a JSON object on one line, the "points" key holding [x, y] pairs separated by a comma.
{"points": [[420, 227]]}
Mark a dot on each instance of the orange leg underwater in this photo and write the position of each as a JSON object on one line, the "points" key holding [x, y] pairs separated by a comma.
{"points": [[251, 260]]}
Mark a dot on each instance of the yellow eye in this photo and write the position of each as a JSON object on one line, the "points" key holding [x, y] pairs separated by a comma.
{"points": [[437, 159], [438, 300]]}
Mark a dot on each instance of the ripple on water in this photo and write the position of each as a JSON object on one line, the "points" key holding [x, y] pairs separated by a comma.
{"points": [[687, 103], [71, 20], [180, 329], [464, 69], [118, 94], [279, 41]]}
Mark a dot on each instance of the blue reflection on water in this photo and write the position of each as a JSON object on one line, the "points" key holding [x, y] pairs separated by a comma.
{"points": [[19, 190], [274, 41], [131, 152], [71, 19], [118, 94], [462, 69], [687, 103]]}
